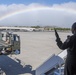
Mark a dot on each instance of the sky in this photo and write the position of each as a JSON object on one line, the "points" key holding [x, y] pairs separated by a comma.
{"points": [[46, 2], [60, 13]]}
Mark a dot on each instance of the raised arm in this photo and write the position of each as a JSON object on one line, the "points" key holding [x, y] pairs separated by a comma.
{"points": [[61, 45], [58, 40]]}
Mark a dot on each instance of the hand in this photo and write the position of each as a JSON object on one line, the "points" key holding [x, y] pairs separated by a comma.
{"points": [[56, 34]]}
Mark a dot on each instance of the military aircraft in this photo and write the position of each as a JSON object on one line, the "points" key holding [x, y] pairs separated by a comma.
{"points": [[9, 43]]}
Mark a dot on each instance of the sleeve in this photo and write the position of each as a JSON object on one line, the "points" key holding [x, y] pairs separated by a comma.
{"points": [[64, 45]]}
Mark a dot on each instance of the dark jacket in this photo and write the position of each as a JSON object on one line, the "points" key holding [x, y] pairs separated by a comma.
{"points": [[69, 44]]}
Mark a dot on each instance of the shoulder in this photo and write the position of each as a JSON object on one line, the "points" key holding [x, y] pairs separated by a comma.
{"points": [[69, 38], [73, 37]]}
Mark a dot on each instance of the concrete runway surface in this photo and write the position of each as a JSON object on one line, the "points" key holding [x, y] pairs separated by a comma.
{"points": [[36, 48]]}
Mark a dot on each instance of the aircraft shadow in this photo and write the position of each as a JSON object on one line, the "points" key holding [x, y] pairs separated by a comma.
{"points": [[14, 67]]}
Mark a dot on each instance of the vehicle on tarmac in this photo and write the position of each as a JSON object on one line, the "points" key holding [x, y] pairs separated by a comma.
{"points": [[9, 43]]}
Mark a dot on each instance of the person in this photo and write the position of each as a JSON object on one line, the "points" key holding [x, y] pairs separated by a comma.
{"points": [[70, 45]]}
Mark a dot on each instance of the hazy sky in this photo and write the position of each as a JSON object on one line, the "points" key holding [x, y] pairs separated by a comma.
{"points": [[37, 12]]}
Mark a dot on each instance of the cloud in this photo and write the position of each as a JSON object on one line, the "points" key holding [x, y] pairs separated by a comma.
{"points": [[63, 15], [69, 5]]}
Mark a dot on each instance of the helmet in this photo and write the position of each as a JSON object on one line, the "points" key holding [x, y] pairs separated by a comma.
{"points": [[74, 26]]}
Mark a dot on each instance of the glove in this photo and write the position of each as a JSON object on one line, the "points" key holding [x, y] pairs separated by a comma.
{"points": [[57, 36]]}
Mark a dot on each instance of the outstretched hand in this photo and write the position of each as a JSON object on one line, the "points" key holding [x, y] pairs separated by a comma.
{"points": [[56, 34]]}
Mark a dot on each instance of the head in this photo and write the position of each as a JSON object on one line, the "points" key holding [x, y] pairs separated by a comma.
{"points": [[73, 28]]}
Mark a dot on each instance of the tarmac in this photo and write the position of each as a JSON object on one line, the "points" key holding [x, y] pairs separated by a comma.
{"points": [[36, 48]]}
